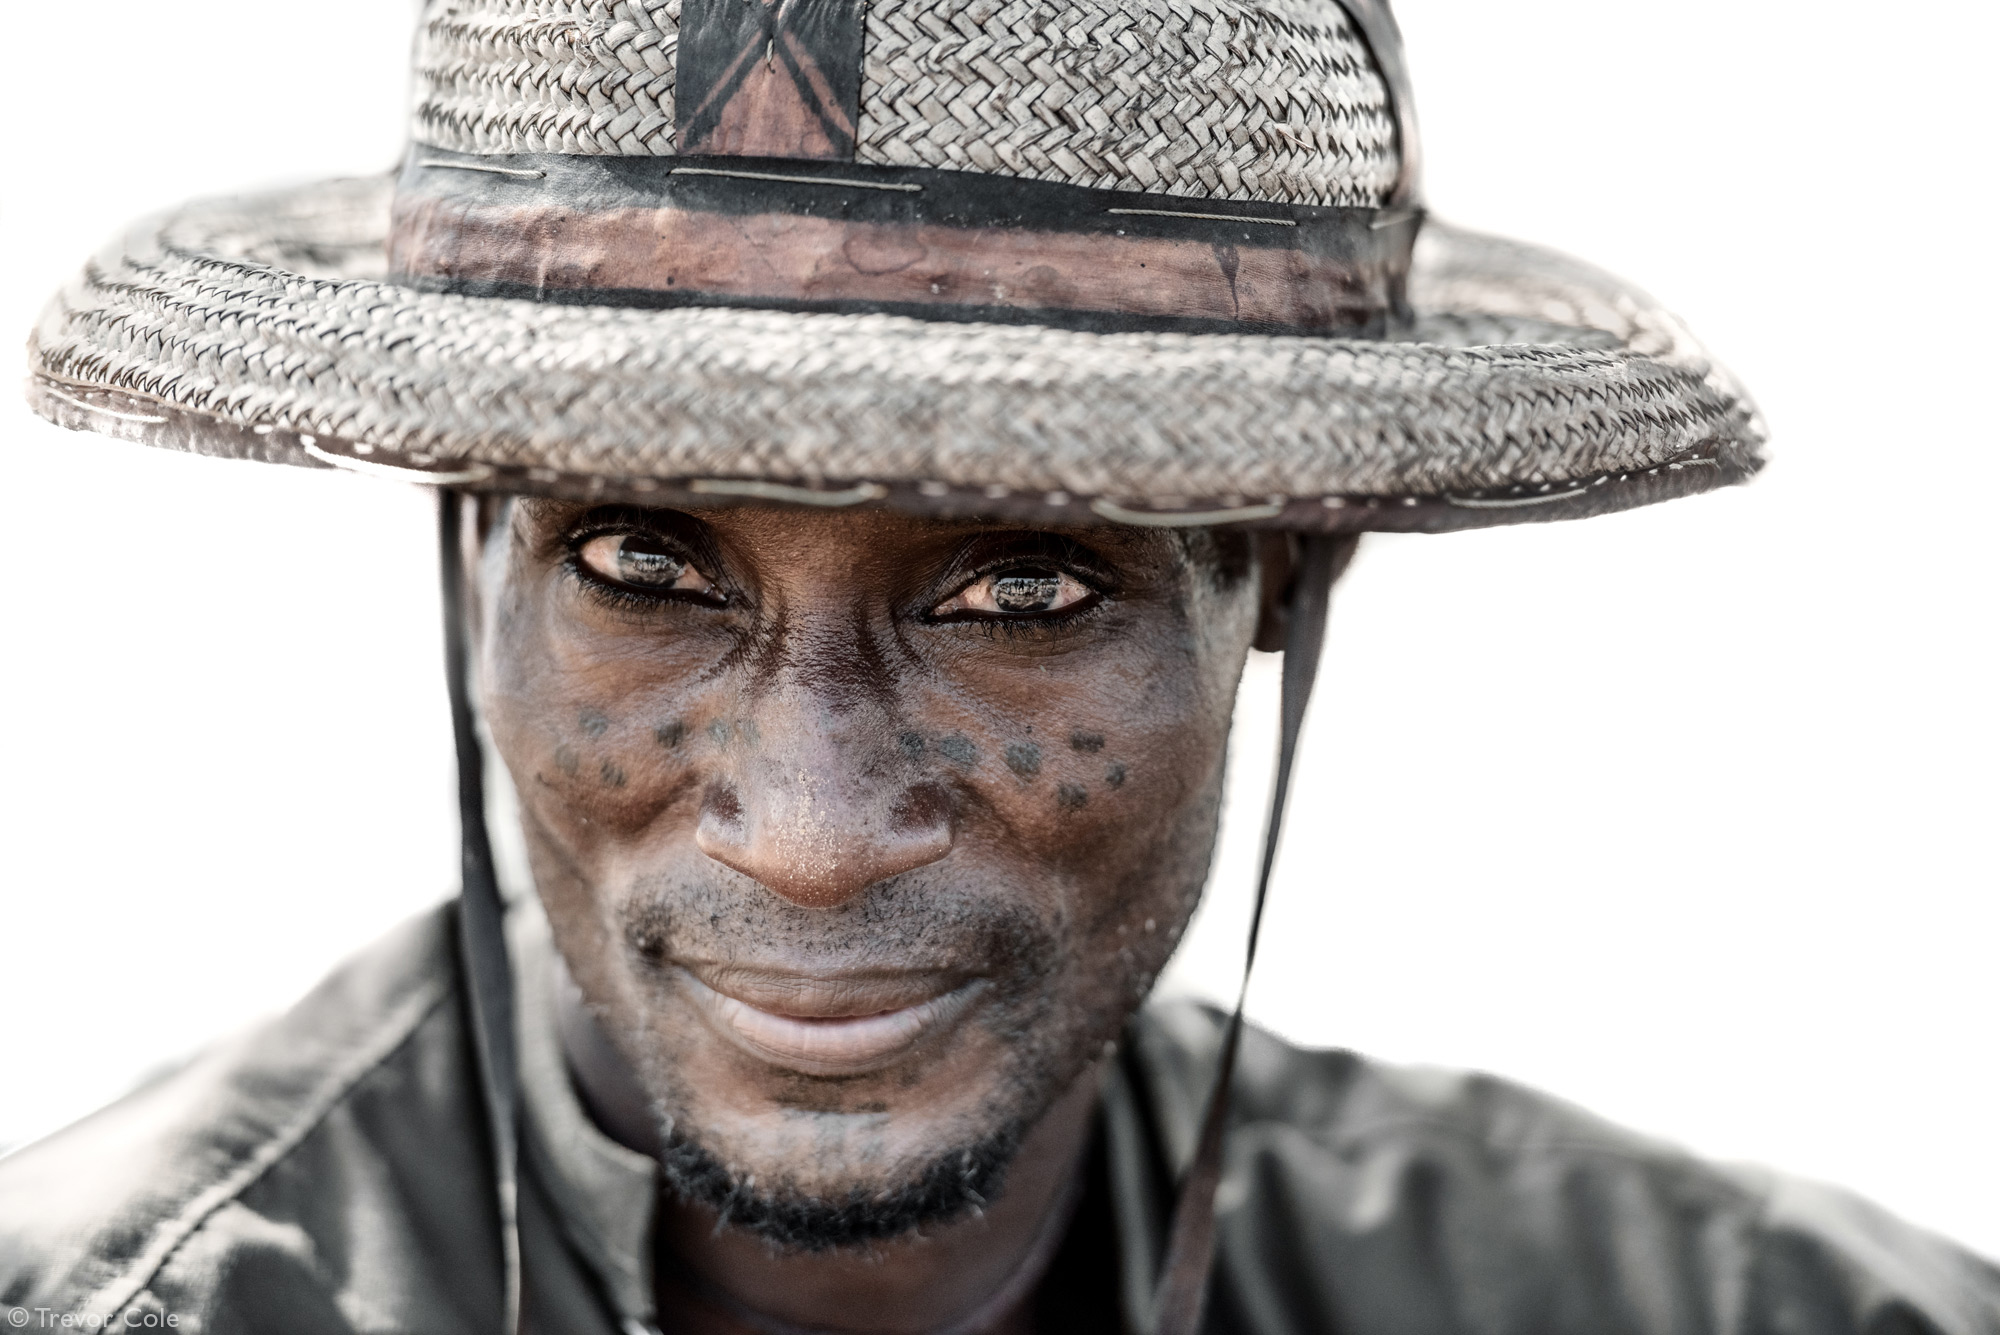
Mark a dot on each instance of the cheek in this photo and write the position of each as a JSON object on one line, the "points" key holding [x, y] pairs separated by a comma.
{"points": [[602, 742], [1103, 781], [1105, 785], [1102, 811], [1114, 782]]}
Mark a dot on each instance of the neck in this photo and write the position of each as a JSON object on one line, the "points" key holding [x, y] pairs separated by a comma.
{"points": [[974, 1276]]}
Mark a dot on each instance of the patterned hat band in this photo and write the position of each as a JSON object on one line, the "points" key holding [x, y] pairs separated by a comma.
{"points": [[786, 235], [1200, 165]]}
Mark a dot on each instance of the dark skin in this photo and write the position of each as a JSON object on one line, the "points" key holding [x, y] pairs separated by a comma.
{"points": [[862, 835]]}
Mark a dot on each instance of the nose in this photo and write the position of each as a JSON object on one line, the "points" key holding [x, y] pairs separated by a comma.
{"points": [[816, 829]]}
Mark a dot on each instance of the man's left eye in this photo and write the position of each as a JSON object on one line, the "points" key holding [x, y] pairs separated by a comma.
{"points": [[1015, 593]]}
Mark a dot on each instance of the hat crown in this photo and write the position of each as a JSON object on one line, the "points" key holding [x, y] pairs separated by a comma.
{"points": [[1273, 100]]}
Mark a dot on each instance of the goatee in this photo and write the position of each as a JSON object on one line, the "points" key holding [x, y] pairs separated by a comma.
{"points": [[950, 1186]]}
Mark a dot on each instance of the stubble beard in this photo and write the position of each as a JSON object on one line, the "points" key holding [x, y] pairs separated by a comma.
{"points": [[1059, 1011], [1046, 1038], [950, 1186]]}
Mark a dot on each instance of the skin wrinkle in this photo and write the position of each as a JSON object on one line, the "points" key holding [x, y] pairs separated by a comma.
{"points": [[817, 780]]}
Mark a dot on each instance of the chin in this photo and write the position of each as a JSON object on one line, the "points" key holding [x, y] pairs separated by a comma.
{"points": [[836, 1209]]}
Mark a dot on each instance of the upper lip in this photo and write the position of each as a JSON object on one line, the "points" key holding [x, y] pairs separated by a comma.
{"points": [[827, 1023]]}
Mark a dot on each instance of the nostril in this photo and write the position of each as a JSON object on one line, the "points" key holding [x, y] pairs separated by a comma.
{"points": [[722, 805], [719, 831], [925, 809]]}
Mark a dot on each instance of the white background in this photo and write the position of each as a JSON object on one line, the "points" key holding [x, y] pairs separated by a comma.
{"points": [[1687, 815]]}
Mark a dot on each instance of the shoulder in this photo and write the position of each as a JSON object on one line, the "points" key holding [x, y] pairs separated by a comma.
{"points": [[1369, 1197], [227, 1194]]}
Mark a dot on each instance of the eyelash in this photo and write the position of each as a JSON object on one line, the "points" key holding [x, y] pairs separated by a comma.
{"points": [[618, 597], [1031, 626]]}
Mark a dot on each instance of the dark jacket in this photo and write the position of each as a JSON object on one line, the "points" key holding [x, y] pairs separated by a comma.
{"points": [[330, 1172]]}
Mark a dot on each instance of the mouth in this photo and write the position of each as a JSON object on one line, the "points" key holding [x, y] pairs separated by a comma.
{"points": [[837, 1025]]}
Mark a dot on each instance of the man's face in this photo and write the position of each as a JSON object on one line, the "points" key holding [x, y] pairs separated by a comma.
{"points": [[862, 834]]}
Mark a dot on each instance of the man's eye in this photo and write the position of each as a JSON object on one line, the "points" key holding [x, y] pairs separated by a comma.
{"points": [[1020, 592], [648, 564]]}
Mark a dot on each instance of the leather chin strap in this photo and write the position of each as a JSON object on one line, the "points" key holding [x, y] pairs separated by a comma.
{"points": [[1182, 1291], [1183, 1285], [482, 937]]}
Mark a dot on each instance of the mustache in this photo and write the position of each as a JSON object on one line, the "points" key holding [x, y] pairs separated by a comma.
{"points": [[920, 921]]}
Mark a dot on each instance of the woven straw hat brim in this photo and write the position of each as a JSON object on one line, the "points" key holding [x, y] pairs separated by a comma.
{"points": [[1531, 387]]}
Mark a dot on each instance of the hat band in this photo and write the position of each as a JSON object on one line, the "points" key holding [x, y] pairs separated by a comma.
{"points": [[842, 237]]}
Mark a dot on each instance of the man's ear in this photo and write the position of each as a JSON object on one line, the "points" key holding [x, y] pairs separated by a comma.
{"points": [[1277, 559]]}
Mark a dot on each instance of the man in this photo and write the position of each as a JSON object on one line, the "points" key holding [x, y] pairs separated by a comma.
{"points": [[887, 432]]}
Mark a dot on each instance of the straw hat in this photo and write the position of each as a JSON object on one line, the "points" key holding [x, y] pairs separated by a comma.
{"points": [[1140, 261]]}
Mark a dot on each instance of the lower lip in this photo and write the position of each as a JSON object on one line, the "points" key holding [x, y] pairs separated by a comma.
{"points": [[847, 1045]]}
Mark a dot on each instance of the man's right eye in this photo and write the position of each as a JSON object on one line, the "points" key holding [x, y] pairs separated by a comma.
{"points": [[645, 564]]}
